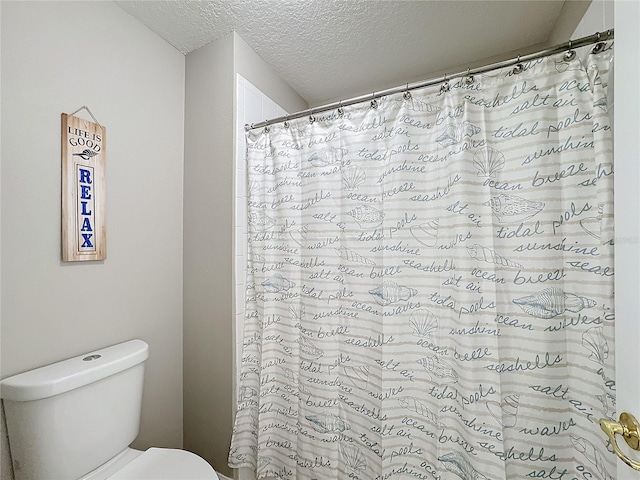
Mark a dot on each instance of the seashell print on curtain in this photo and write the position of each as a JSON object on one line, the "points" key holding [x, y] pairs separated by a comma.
{"points": [[430, 285]]}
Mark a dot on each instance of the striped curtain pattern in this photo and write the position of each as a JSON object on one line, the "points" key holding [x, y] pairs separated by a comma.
{"points": [[430, 284]]}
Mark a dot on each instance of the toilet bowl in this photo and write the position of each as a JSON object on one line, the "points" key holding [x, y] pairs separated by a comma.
{"points": [[75, 419], [154, 464]]}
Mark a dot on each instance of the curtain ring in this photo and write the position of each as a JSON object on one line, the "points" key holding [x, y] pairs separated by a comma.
{"points": [[571, 54], [519, 68], [469, 79], [598, 46], [312, 119], [445, 85], [407, 94], [266, 127], [340, 110], [374, 102]]}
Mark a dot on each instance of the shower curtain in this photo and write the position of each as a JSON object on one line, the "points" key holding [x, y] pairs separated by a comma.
{"points": [[430, 284]]}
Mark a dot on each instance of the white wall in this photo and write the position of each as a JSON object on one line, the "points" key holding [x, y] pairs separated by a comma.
{"points": [[209, 319], [597, 18], [208, 224], [56, 57]]}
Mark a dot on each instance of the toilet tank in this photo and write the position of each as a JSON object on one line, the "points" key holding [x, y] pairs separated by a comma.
{"points": [[70, 417]]}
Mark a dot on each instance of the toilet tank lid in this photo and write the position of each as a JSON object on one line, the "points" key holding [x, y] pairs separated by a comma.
{"points": [[73, 373]]}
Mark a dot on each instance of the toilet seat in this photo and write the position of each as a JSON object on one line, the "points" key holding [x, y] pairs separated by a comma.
{"points": [[166, 464]]}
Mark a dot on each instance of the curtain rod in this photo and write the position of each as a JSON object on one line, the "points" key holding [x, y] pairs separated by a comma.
{"points": [[570, 45]]}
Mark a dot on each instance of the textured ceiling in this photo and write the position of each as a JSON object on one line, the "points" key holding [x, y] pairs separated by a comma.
{"points": [[331, 49]]}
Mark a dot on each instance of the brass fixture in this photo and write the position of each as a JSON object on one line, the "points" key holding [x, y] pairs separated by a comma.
{"points": [[629, 428]]}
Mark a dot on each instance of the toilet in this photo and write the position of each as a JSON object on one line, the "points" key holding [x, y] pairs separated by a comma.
{"points": [[75, 419]]}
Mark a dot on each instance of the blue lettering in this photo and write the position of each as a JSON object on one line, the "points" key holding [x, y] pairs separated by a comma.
{"points": [[85, 192], [86, 226], [84, 209], [87, 240], [85, 176]]}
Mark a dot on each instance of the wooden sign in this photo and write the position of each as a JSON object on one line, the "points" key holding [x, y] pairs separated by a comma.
{"points": [[83, 190]]}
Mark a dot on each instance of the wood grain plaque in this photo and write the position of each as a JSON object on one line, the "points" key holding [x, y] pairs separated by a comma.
{"points": [[84, 234]]}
